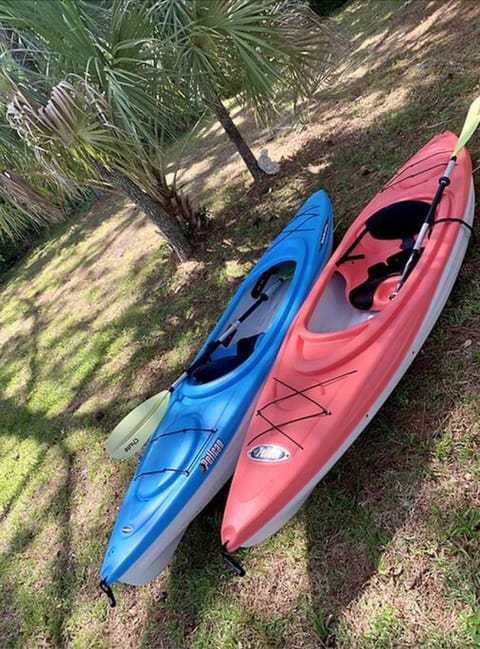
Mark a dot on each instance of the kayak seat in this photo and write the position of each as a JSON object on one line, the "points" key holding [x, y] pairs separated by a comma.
{"points": [[362, 295], [214, 368], [401, 220], [380, 251]]}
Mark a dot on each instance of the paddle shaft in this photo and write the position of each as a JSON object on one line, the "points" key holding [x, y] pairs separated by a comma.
{"points": [[443, 182]]}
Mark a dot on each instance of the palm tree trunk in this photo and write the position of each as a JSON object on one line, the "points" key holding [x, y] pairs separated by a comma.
{"points": [[177, 204], [169, 228], [215, 103]]}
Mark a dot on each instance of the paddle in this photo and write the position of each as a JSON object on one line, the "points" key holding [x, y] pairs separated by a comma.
{"points": [[137, 427], [471, 122], [133, 431]]}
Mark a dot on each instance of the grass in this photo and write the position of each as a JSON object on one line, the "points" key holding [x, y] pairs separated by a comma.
{"points": [[385, 553]]}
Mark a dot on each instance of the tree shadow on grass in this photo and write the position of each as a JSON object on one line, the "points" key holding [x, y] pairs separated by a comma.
{"points": [[346, 537], [25, 608], [157, 327], [356, 512], [71, 232], [193, 582]]}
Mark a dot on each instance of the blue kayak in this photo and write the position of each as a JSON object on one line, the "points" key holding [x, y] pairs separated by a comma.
{"points": [[193, 451]]}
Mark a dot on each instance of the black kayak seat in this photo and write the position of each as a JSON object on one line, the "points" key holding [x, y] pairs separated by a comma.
{"points": [[214, 368], [362, 295]]}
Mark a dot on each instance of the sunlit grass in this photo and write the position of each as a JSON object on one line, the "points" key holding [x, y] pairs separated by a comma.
{"points": [[98, 317]]}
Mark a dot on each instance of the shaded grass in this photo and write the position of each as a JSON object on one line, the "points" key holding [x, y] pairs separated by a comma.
{"points": [[385, 553]]}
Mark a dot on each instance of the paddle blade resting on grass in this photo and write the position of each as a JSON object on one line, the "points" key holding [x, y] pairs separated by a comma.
{"points": [[136, 428]]}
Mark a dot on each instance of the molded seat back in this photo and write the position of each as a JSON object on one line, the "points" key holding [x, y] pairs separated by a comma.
{"points": [[400, 220], [362, 295]]}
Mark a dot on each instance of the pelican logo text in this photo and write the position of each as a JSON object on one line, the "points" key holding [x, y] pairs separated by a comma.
{"points": [[133, 443], [268, 453], [211, 455]]}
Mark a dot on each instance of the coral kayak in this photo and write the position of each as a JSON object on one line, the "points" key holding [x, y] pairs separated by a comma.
{"points": [[351, 342], [193, 451]]}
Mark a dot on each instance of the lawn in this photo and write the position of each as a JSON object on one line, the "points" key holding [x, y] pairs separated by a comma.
{"points": [[386, 552]]}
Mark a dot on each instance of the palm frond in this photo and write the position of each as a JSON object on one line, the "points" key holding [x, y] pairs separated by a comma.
{"points": [[74, 127], [266, 46], [16, 220], [21, 193]]}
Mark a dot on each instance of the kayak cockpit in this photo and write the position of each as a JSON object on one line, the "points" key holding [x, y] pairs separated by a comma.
{"points": [[369, 268], [253, 315], [333, 312], [219, 365]]}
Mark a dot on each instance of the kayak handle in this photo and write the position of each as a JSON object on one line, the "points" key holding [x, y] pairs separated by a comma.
{"points": [[232, 563], [104, 587]]}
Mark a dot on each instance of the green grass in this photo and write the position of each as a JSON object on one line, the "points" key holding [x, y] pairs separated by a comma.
{"points": [[98, 317]]}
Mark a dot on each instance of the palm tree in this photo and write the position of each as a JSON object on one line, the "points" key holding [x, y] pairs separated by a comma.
{"points": [[74, 137], [260, 49], [124, 71], [97, 105]]}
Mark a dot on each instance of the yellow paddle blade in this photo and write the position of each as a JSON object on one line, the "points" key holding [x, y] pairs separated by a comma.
{"points": [[134, 429], [471, 122]]}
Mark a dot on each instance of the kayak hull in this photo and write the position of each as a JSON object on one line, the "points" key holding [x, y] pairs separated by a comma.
{"points": [[193, 451], [332, 373], [159, 553]]}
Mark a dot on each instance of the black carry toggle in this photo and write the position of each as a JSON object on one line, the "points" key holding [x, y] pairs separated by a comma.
{"points": [[232, 563], [108, 592]]}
